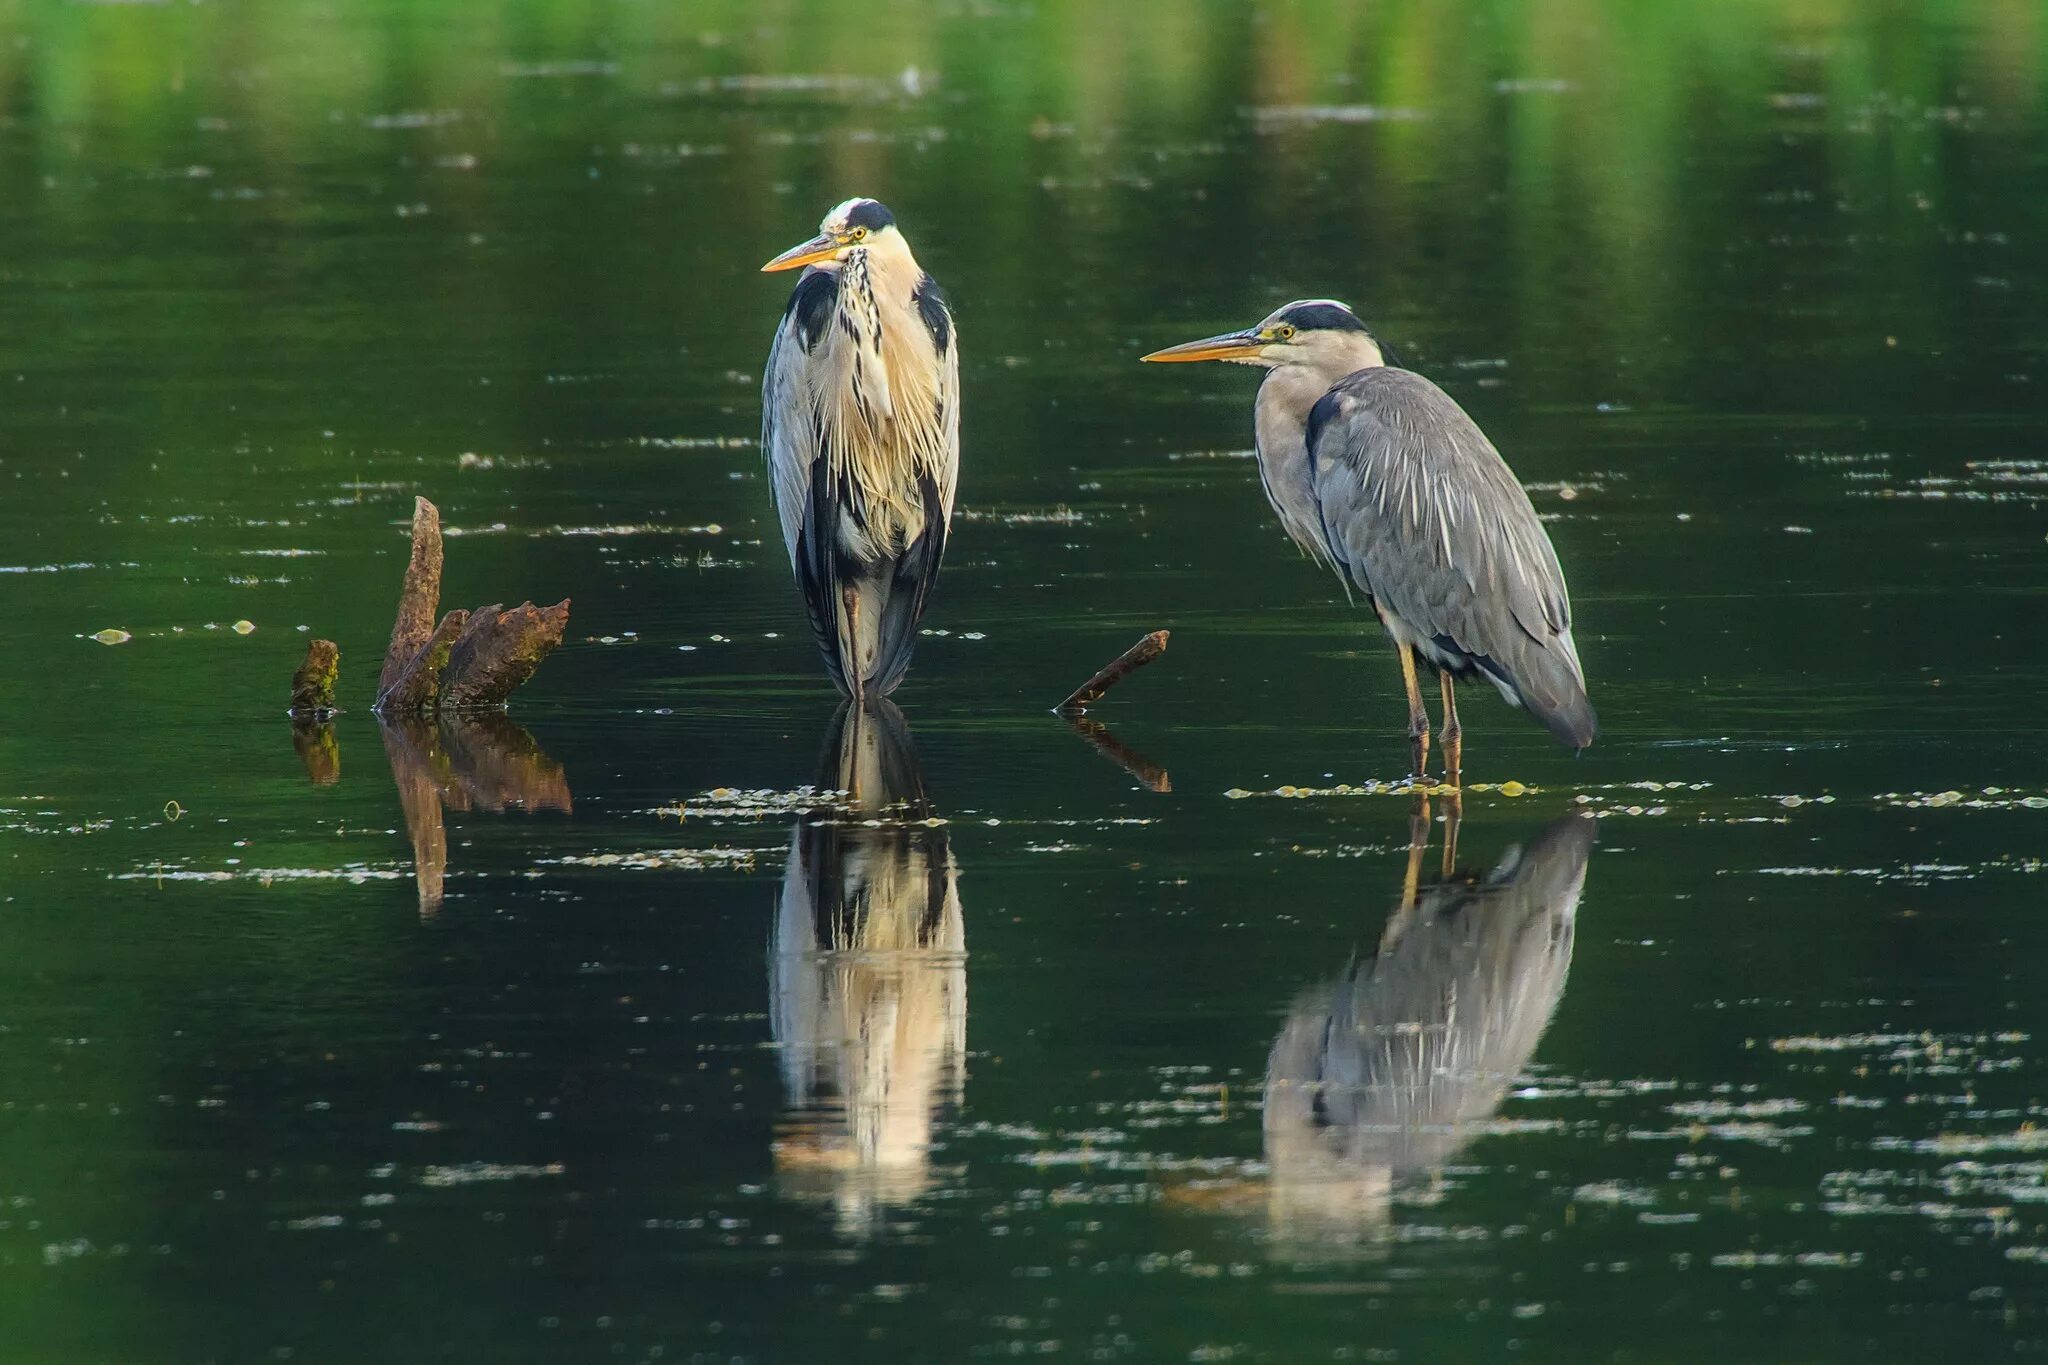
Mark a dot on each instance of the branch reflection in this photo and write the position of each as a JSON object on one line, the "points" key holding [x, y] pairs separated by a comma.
{"points": [[483, 762]]}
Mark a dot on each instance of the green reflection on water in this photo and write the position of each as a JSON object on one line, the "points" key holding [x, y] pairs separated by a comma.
{"points": [[1758, 286]]}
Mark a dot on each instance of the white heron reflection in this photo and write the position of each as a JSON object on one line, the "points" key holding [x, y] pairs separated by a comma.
{"points": [[868, 977]]}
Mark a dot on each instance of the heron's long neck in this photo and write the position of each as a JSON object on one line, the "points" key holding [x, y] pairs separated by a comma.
{"points": [[877, 304], [1281, 422]]}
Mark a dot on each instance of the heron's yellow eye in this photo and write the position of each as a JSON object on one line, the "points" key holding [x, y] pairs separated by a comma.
{"points": [[858, 234], [1285, 331]]}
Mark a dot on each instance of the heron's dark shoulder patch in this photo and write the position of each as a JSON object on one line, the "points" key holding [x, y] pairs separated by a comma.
{"points": [[931, 306], [811, 304], [1327, 409]]}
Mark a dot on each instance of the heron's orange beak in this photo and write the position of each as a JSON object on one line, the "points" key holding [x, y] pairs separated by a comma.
{"points": [[1229, 346], [819, 248]]}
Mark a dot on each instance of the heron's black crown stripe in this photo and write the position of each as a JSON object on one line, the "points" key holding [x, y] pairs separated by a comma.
{"points": [[869, 214], [1323, 317], [811, 304], [931, 306]]}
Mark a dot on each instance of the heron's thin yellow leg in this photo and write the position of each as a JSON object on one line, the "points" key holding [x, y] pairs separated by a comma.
{"points": [[1418, 715], [849, 640], [1451, 734]]}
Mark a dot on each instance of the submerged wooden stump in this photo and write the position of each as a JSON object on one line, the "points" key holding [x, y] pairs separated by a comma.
{"points": [[499, 651], [419, 598], [417, 688], [313, 684], [471, 660]]}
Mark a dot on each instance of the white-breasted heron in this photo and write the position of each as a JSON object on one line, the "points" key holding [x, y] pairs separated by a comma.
{"points": [[1378, 473], [860, 426]]}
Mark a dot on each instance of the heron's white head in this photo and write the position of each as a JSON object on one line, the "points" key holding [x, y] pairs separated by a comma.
{"points": [[1319, 334], [854, 226]]}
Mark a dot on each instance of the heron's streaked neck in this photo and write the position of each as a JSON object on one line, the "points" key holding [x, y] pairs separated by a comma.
{"points": [[885, 271]]}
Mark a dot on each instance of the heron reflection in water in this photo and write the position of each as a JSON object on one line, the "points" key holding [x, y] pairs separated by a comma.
{"points": [[1385, 1072], [868, 976]]}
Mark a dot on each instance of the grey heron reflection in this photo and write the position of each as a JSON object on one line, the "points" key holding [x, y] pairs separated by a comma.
{"points": [[868, 976], [1386, 1071]]}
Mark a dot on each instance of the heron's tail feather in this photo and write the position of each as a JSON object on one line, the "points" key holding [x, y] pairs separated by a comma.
{"points": [[903, 588], [1548, 682]]}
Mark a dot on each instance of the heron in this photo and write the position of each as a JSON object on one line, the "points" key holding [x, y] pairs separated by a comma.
{"points": [[860, 428], [1379, 475]]}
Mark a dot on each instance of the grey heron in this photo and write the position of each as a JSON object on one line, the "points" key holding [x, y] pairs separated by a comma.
{"points": [[868, 973], [1389, 1069], [1379, 474], [860, 427]]}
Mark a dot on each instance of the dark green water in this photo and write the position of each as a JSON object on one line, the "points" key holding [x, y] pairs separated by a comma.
{"points": [[1763, 291]]}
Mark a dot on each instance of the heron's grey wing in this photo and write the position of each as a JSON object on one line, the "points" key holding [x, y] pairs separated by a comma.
{"points": [[945, 335], [790, 439], [1426, 517]]}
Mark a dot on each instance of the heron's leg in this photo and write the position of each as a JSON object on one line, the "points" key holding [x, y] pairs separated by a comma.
{"points": [[1418, 715], [849, 640], [1451, 735]]}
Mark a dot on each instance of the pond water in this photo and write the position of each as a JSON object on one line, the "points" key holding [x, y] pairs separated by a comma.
{"points": [[618, 1031]]}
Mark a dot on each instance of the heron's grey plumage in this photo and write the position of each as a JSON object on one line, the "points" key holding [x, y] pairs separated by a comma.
{"points": [[1422, 514], [1394, 1065], [1379, 474], [868, 972], [860, 428]]}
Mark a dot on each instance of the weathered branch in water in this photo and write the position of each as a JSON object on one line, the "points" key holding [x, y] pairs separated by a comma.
{"points": [[418, 686], [419, 599], [1125, 664], [313, 684], [1154, 777], [499, 651]]}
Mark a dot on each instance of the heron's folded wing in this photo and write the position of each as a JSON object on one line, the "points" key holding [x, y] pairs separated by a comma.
{"points": [[790, 438], [1427, 517]]}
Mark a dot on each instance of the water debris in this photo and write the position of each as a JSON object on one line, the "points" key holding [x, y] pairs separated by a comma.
{"points": [[729, 803], [1404, 786], [1270, 116], [354, 873], [667, 859], [1060, 515], [243, 627], [483, 1172], [1114, 672], [111, 636]]}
